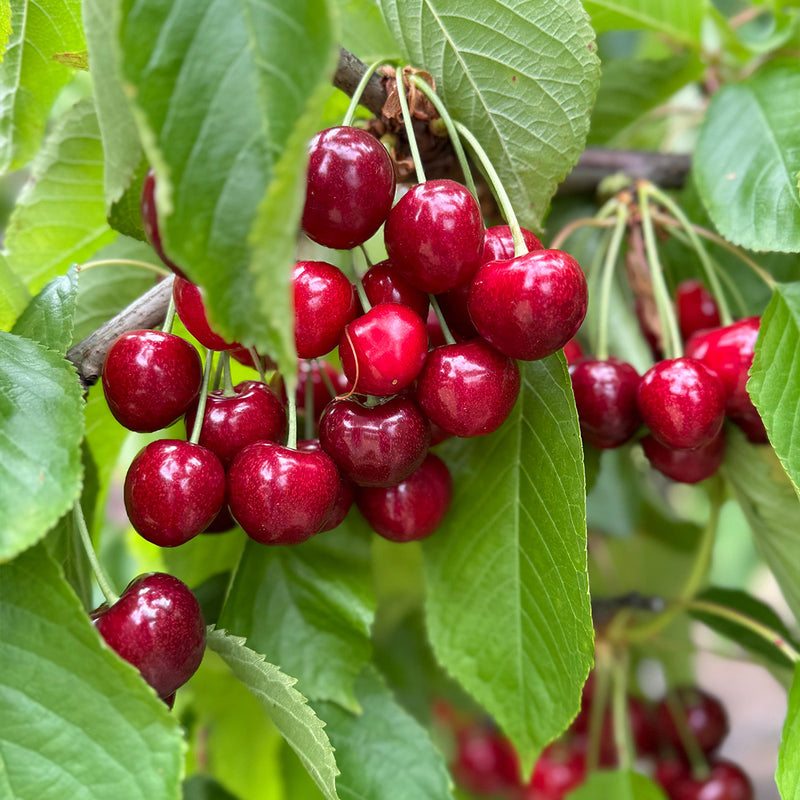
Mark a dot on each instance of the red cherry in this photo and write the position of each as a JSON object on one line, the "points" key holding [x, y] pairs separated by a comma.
{"points": [[668, 771], [686, 466], [682, 402], [485, 762], [468, 389], [173, 491], [150, 378], [350, 187], [529, 307], [434, 236], [150, 221], [434, 328], [414, 508], [279, 495], [344, 497], [726, 782], [244, 356], [383, 351], [498, 243], [704, 717], [321, 395], [157, 626], [192, 311], [384, 284], [697, 309], [572, 351], [560, 768], [454, 308], [223, 522]]}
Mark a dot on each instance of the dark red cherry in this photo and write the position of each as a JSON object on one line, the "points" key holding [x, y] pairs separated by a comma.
{"points": [[669, 770], [192, 311], [157, 626], [344, 497], [560, 768], [223, 522], [572, 351], [468, 389], [350, 187], [375, 446], [752, 425], [435, 332], [279, 495], [384, 284], [529, 307], [150, 221], [383, 351], [414, 508], [702, 715], [454, 307], [725, 782], [682, 402], [320, 393], [173, 491], [324, 302], [696, 307], [686, 466], [252, 414], [498, 243], [605, 395], [434, 235], [485, 763], [150, 378], [244, 356]]}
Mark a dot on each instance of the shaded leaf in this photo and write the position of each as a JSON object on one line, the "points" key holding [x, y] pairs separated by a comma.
{"points": [[201, 787], [363, 30], [788, 774], [48, 319]]}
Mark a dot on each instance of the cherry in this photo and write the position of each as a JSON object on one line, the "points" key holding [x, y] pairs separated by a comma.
{"points": [[703, 716], [668, 771], [572, 351], [726, 782], [173, 491], [697, 309], [223, 522], [498, 243], [150, 221], [244, 356], [279, 495], [529, 307], [345, 495], [434, 328], [383, 351], [253, 413], [605, 395], [157, 626], [454, 308], [686, 466], [468, 389], [434, 235], [560, 768], [375, 446], [320, 394], [414, 508], [192, 311], [682, 402], [350, 187], [150, 378], [383, 284], [485, 762]]}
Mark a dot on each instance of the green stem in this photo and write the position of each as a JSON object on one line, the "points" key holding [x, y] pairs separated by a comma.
{"points": [[309, 406], [448, 336], [99, 573], [366, 256], [597, 711], [201, 402], [697, 758], [129, 261], [612, 254], [217, 376], [170, 315], [576, 225], [357, 282], [325, 377], [362, 84], [427, 90], [619, 715], [409, 125], [258, 364], [225, 362], [593, 278], [291, 438]]}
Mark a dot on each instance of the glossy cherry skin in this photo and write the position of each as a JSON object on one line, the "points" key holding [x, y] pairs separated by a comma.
{"points": [[485, 761], [324, 302], [150, 379], [414, 508], [279, 495], [682, 402], [384, 284], [350, 187], [150, 221], [173, 491], [377, 446], [252, 414], [572, 351], [696, 307], [468, 389], [726, 782], [704, 716], [344, 497], [192, 311], [560, 768], [605, 395], [320, 394], [157, 626], [529, 307], [383, 351], [686, 466], [498, 243], [434, 236]]}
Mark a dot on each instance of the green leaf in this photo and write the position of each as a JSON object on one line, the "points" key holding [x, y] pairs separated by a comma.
{"points": [[76, 719], [788, 773], [41, 427], [125, 214], [619, 784], [310, 607], [746, 173], [383, 753], [5, 26], [201, 787], [771, 506], [287, 708], [66, 548], [48, 319], [13, 295], [30, 78], [363, 30], [227, 96], [60, 217], [522, 79], [774, 381], [508, 601], [680, 20]]}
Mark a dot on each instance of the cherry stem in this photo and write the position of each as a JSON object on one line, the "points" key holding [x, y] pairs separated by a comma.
{"points": [[129, 261], [428, 91], [612, 255], [99, 573], [201, 400], [673, 346], [697, 758], [309, 406], [358, 283], [362, 84], [713, 281], [325, 378], [291, 401], [576, 225], [597, 712], [217, 376], [170, 316], [499, 191], [366, 255], [448, 336], [257, 363], [619, 712], [225, 362], [409, 125]]}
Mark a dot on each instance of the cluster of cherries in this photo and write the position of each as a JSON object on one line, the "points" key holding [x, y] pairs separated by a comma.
{"points": [[686, 720], [682, 401]]}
